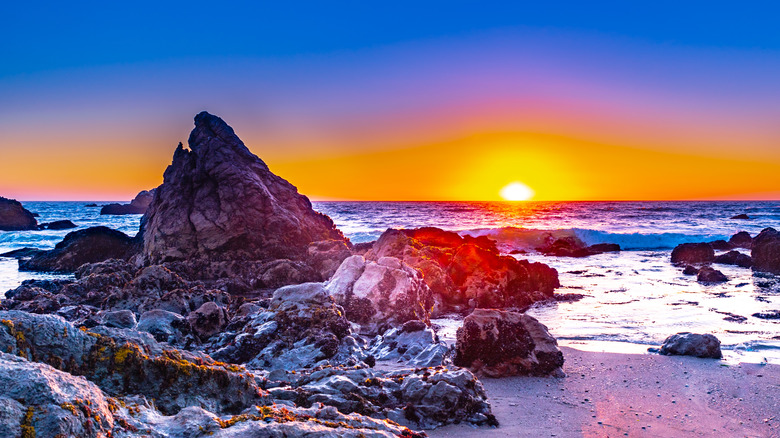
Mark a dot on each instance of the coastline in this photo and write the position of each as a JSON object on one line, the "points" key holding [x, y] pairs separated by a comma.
{"points": [[642, 395]]}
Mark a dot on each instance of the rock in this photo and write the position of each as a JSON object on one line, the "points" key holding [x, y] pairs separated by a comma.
{"points": [[766, 251], [58, 225], [208, 320], [734, 258], [381, 292], [693, 254], [163, 325], [721, 245], [771, 314], [326, 256], [138, 205], [220, 202], [411, 345], [14, 217], [23, 253], [710, 275], [118, 319], [90, 205], [573, 247], [692, 344], [91, 245], [690, 270], [741, 240], [742, 216], [466, 272], [497, 343]]}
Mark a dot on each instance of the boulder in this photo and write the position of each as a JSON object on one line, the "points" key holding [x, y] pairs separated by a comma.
{"points": [[413, 344], [14, 217], [91, 245], [693, 254], [497, 343], [573, 247], [741, 240], [690, 270], [710, 275], [163, 325], [220, 202], [766, 251], [118, 319], [692, 344], [721, 245], [138, 205], [741, 216], [58, 225], [208, 320], [734, 258]]}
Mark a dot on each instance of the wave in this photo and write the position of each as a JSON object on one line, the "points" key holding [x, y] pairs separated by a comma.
{"points": [[510, 238]]}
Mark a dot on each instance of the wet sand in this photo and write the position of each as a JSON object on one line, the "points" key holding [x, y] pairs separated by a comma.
{"points": [[635, 395]]}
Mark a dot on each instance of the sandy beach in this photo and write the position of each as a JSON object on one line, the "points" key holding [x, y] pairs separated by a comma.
{"points": [[636, 395]]}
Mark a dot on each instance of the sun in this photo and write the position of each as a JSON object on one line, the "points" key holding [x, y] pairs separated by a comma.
{"points": [[517, 191]]}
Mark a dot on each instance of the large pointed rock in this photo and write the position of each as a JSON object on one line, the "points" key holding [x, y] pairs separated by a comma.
{"points": [[14, 217], [220, 202]]}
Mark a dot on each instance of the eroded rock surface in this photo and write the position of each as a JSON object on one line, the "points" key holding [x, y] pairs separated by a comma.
{"points": [[692, 344]]}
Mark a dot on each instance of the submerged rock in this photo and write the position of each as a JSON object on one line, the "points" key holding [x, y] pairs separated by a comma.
{"points": [[14, 217], [692, 344], [710, 275], [58, 225], [138, 205], [766, 251], [734, 258], [573, 247], [693, 254], [497, 343], [742, 216], [220, 202], [91, 245]]}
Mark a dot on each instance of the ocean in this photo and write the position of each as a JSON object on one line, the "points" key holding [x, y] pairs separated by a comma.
{"points": [[632, 300]]}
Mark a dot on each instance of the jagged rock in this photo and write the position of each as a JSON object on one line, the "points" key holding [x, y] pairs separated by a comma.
{"points": [[220, 202], [14, 217], [163, 325], [326, 256], [124, 361], [413, 344], [741, 240], [693, 254], [734, 258], [58, 225], [91, 245], [467, 272], [375, 294], [498, 343], [766, 251], [138, 205], [692, 344], [710, 275], [208, 320]]}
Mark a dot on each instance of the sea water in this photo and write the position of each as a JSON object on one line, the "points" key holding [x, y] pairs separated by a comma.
{"points": [[631, 300]]}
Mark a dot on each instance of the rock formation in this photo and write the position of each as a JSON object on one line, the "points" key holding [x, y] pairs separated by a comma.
{"points": [[498, 343], [693, 254], [692, 344], [573, 247], [14, 217], [58, 225], [741, 240], [708, 274], [138, 205], [766, 251], [219, 202], [734, 258]]}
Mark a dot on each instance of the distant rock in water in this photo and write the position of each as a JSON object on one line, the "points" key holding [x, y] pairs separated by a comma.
{"points": [[90, 245], [91, 205], [692, 344], [573, 247], [58, 225], [693, 254], [766, 251], [14, 217], [219, 202], [496, 343], [742, 216], [138, 205]]}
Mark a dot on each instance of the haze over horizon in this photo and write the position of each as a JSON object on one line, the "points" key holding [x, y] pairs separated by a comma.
{"points": [[441, 101]]}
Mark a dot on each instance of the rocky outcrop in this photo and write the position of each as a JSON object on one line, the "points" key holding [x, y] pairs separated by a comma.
{"points": [[692, 344], [138, 205], [734, 258], [741, 240], [766, 251], [412, 343], [693, 254], [91, 245], [379, 293], [573, 247], [219, 202], [708, 274], [14, 217], [497, 343], [466, 272], [58, 225], [741, 216]]}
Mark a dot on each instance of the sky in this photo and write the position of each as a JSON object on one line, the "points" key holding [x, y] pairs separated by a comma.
{"points": [[398, 100]]}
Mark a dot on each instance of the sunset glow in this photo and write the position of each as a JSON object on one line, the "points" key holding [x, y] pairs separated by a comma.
{"points": [[517, 191]]}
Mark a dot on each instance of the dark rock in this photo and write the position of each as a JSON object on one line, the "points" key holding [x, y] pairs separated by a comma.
{"points": [[766, 251], [710, 275], [91, 245], [14, 217], [163, 325], [23, 253], [118, 319], [138, 205], [734, 258], [418, 348], [690, 270], [90, 205], [721, 245], [741, 216], [326, 256], [208, 320], [692, 344], [693, 254], [741, 240], [770, 314], [603, 247], [220, 202], [573, 247], [497, 343], [58, 225], [362, 247]]}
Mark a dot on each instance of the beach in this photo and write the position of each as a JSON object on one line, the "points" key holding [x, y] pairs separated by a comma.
{"points": [[635, 395]]}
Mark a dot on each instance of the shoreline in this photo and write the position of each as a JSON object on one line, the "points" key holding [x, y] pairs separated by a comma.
{"points": [[643, 395]]}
